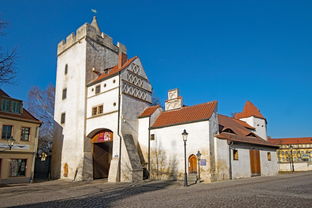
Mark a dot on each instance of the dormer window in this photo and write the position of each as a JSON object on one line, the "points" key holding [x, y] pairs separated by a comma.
{"points": [[11, 106], [228, 130]]}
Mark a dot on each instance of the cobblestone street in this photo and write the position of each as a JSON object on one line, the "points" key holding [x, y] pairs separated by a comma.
{"points": [[287, 190]]}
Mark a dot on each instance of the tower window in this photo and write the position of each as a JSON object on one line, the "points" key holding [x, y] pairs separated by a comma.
{"points": [[62, 118], [64, 94], [66, 69], [97, 89], [114, 81], [97, 110], [94, 111]]}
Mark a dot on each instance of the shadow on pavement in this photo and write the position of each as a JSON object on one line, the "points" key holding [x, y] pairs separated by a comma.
{"points": [[105, 198]]}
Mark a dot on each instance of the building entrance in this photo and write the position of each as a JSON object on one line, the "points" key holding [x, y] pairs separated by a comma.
{"points": [[102, 153], [192, 164], [255, 162]]}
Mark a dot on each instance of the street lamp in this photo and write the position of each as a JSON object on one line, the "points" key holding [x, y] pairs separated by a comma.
{"points": [[291, 158], [10, 141], [198, 154], [184, 137]]}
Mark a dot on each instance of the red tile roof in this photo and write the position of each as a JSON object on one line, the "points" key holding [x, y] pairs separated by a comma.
{"points": [[241, 133], [24, 116], [185, 115], [113, 70], [149, 111], [303, 140], [249, 110]]}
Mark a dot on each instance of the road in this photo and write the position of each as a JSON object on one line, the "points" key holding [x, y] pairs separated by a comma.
{"points": [[287, 190]]}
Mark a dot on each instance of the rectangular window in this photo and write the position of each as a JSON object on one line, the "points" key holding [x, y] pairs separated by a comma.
{"points": [[97, 89], [94, 111], [6, 131], [18, 167], [152, 137], [64, 94], [25, 134], [100, 109], [269, 156], [235, 154], [62, 118]]}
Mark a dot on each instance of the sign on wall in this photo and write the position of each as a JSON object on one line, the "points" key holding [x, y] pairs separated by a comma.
{"points": [[202, 162], [103, 136]]}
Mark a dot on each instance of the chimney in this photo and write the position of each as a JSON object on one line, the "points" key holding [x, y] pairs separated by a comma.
{"points": [[122, 54], [122, 58]]}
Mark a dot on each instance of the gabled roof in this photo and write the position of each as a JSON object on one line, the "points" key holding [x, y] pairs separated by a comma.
{"points": [[24, 116], [184, 115], [302, 140], [249, 110], [113, 71], [241, 133], [149, 111]]}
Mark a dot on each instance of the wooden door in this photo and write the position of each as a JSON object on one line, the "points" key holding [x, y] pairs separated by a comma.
{"points": [[102, 155], [192, 164], [255, 162]]}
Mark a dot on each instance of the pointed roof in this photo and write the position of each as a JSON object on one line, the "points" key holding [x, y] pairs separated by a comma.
{"points": [[249, 110], [95, 24], [112, 71]]}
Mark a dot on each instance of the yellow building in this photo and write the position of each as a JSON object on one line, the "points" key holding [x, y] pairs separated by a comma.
{"points": [[294, 154], [18, 141]]}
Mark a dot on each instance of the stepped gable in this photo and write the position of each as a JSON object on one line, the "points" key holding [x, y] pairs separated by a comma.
{"points": [[302, 140], [235, 131], [184, 115], [112, 71], [148, 111], [249, 110]]}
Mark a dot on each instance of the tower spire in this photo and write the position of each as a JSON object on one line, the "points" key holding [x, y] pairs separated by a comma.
{"points": [[95, 24]]}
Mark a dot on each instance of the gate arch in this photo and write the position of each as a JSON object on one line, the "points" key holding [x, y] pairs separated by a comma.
{"points": [[102, 149]]}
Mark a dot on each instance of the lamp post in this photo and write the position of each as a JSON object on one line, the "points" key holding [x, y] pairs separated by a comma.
{"points": [[184, 137], [198, 154], [292, 159], [10, 141]]}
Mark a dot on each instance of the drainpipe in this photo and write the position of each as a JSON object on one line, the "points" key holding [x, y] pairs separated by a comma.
{"points": [[118, 130], [230, 143], [149, 148]]}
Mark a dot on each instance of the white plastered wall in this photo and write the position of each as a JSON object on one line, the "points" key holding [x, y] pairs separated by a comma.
{"points": [[167, 150]]}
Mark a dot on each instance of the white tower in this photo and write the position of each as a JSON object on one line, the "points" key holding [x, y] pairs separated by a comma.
{"points": [[88, 48], [99, 94], [254, 118]]}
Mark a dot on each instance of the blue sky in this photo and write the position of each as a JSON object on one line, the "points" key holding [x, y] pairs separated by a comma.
{"points": [[230, 51]]}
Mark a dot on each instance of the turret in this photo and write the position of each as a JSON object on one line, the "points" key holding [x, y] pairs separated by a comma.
{"points": [[251, 115]]}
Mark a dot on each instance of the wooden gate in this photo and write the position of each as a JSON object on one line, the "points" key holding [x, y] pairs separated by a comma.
{"points": [[192, 164], [255, 162]]}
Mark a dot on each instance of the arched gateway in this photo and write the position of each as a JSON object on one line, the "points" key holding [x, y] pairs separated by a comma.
{"points": [[102, 146]]}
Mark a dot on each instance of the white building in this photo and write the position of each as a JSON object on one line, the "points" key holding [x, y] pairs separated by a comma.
{"points": [[107, 128]]}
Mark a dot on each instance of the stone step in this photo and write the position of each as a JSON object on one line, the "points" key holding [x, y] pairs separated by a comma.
{"points": [[192, 178]]}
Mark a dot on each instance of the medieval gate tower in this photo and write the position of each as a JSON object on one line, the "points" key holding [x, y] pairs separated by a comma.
{"points": [[99, 94]]}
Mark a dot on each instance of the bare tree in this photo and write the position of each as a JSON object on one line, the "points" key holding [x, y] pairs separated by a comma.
{"points": [[41, 104], [7, 70]]}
